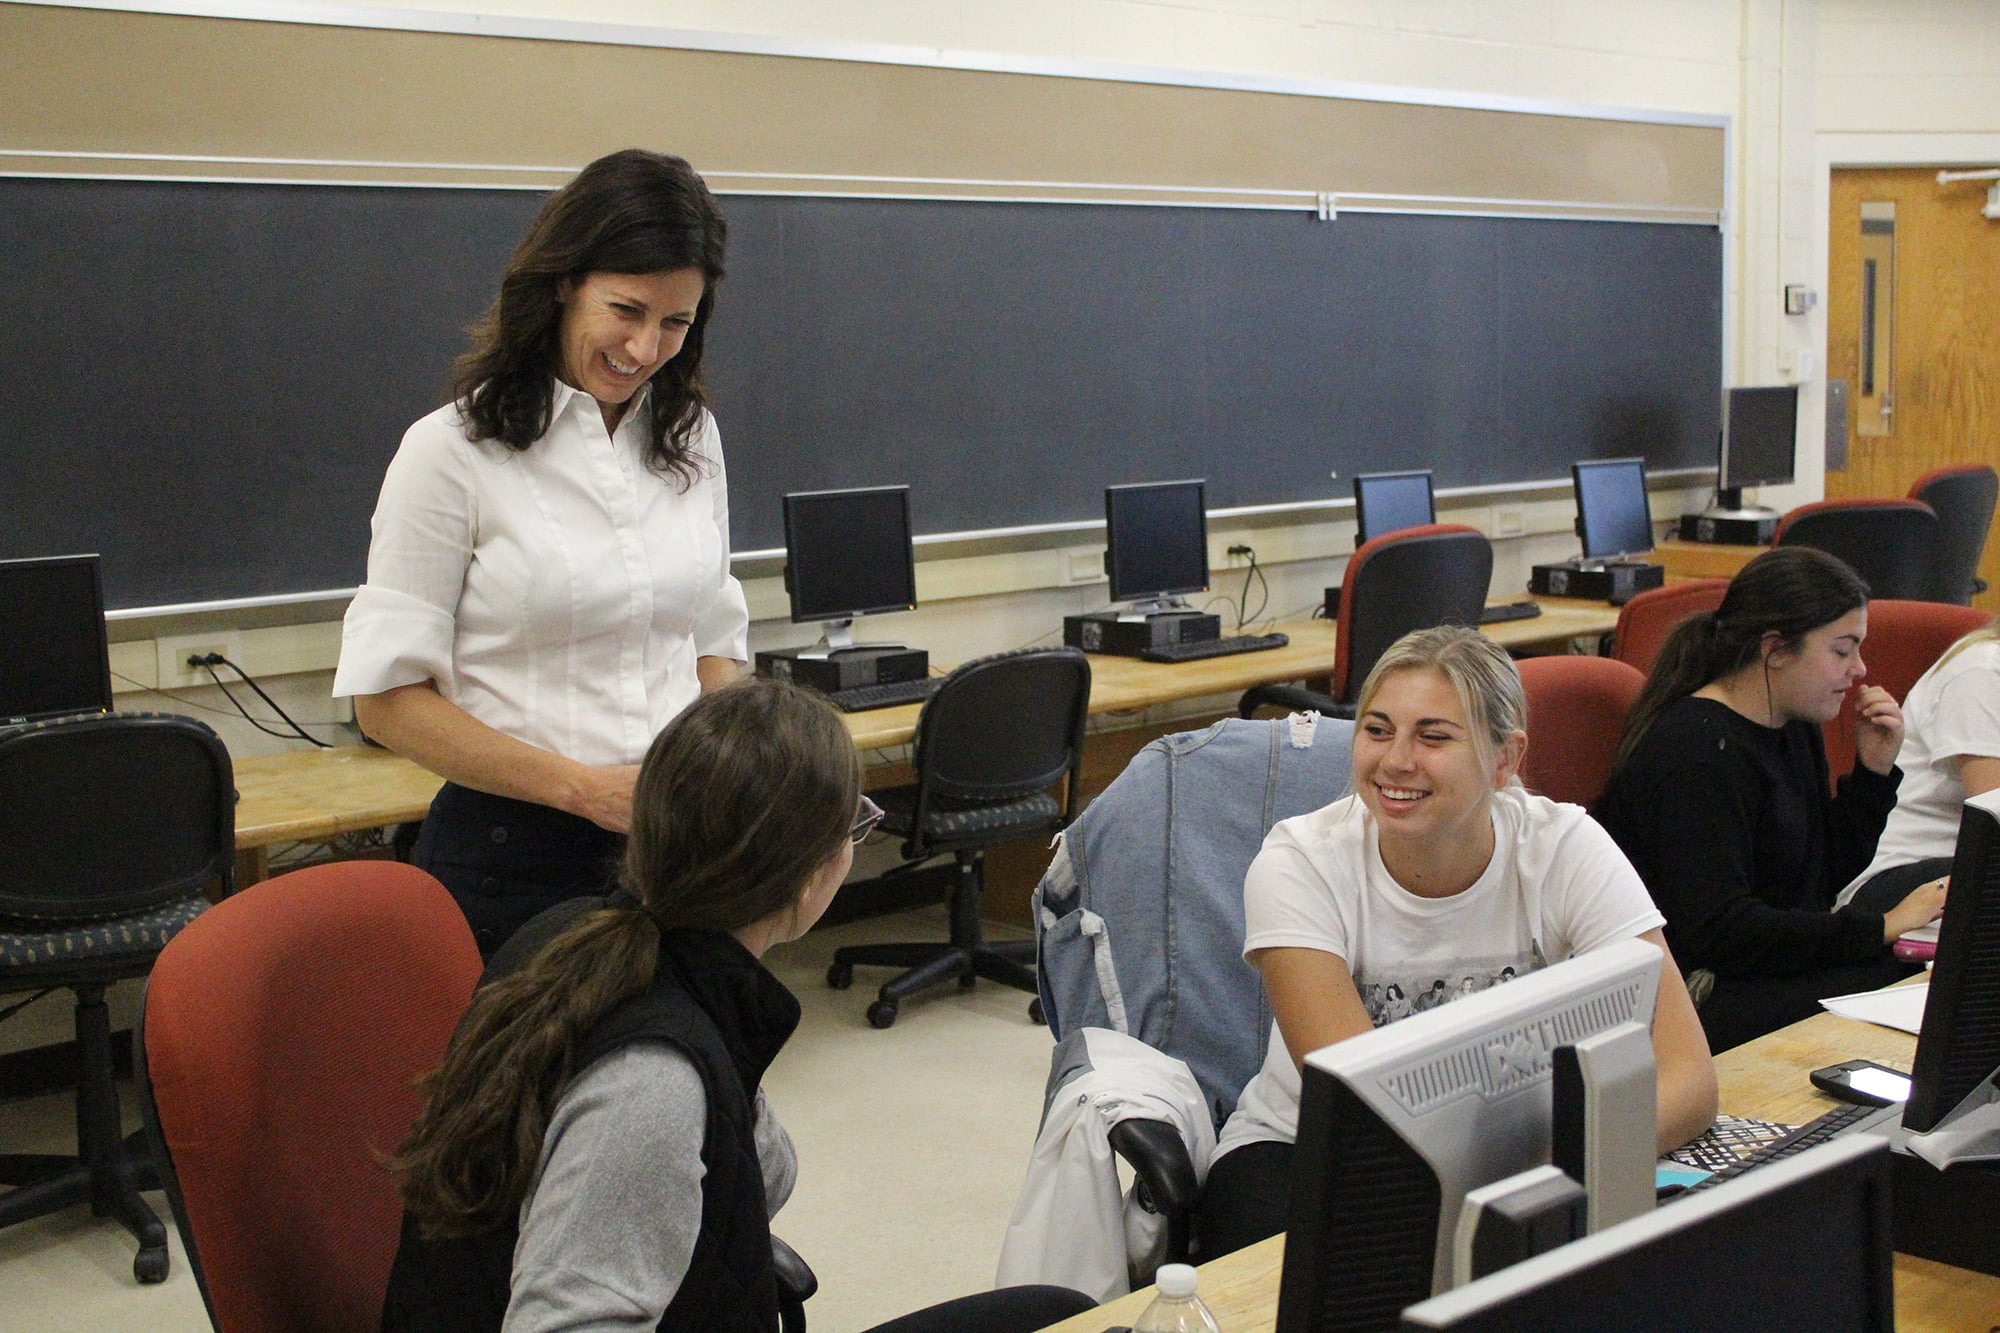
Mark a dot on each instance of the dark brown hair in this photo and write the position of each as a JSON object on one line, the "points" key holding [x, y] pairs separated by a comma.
{"points": [[630, 212], [1787, 591], [741, 800]]}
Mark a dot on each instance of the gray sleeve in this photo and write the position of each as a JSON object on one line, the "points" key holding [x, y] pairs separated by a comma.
{"points": [[609, 1223], [777, 1156]]}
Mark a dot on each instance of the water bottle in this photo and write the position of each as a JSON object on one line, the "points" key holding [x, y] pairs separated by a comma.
{"points": [[1177, 1309]]}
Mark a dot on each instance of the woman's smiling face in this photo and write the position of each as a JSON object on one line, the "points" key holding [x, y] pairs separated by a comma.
{"points": [[1418, 767]]}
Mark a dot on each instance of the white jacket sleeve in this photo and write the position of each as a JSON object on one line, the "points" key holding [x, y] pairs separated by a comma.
{"points": [[1071, 1225]]}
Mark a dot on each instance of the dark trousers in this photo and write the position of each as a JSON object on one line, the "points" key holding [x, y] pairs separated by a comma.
{"points": [[1896, 883], [1008, 1310], [1247, 1196], [506, 860]]}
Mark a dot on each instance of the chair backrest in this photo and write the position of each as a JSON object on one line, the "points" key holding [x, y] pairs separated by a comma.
{"points": [[1438, 574], [1576, 712], [1645, 622], [1904, 639], [278, 1042], [112, 813], [1140, 916], [1893, 543], [1003, 727], [1962, 496]]}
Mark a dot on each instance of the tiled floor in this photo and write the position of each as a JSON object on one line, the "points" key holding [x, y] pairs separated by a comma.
{"points": [[911, 1146]]}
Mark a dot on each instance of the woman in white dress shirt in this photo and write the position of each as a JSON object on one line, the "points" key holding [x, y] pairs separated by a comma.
{"points": [[548, 574]]}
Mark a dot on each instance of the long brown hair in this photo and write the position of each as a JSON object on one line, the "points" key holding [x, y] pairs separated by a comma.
{"points": [[740, 801], [1788, 591], [628, 212]]}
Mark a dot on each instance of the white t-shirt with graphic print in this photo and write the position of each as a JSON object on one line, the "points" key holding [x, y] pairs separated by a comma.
{"points": [[1557, 886]]}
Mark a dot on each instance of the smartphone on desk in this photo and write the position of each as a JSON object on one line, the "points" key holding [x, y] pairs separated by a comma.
{"points": [[1863, 1081]]}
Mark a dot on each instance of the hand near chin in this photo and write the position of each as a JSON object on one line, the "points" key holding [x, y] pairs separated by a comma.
{"points": [[1878, 728]]}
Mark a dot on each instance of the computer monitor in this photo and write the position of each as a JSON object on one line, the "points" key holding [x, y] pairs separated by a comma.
{"points": [[1760, 428], [1387, 502], [1612, 515], [1954, 1108], [1397, 1124], [848, 553], [1156, 541], [1726, 1257], [53, 656]]}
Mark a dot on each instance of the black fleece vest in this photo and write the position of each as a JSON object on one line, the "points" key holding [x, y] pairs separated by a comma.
{"points": [[718, 1006]]}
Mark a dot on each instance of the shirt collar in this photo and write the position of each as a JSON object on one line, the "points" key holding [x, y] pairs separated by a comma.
{"points": [[565, 396]]}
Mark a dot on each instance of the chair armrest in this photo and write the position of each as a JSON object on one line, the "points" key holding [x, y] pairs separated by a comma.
{"points": [[796, 1285], [1166, 1181], [1295, 698]]}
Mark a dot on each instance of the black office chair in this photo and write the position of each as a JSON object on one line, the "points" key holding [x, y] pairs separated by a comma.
{"points": [[111, 829], [1402, 581], [999, 732], [1892, 543], [1962, 496]]}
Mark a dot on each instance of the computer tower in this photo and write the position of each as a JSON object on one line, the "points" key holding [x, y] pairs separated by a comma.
{"points": [[1614, 581], [1128, 635], [844, 668], [1729, 530]]}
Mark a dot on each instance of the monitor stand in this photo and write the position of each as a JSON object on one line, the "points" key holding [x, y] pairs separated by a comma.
{"points": [[837, 662], [1729, 522], [1148, 624]]}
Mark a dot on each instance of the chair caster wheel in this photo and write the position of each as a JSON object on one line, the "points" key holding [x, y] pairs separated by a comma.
{"points": [[840, 975], [150, 1264], [1035, 1014], [882, 1014]]}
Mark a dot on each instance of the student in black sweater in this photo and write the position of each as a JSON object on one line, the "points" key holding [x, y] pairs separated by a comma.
{"points": [[1720, 796]]}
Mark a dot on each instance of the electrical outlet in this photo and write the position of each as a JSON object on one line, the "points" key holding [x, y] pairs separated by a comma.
{"points": [[1086, 566], [1509, 523], [173, 654]]}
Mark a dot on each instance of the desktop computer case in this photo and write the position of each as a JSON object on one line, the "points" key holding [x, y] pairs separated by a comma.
{"points": [[1108, 632], [848, 669], [1612, 583], [1723, 531], [1952, 1216]]}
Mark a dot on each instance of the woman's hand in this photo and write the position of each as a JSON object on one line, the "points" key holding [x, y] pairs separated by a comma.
{"points": [[604, 796], [1878, 729], [1923, 906]]}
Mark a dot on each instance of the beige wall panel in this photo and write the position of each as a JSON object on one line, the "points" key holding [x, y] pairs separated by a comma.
{"points": [[94, 81]]}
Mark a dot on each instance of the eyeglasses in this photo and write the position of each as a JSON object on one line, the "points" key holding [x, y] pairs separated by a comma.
{"points": [[866, 816]]}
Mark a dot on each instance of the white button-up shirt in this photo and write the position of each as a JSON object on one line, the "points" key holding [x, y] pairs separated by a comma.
{"points": [[559, 594]]}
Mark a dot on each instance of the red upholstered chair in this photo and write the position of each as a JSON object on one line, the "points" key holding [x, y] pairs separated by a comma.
{"points": [[1962, 496], [278, 1040], [1893, 544], [1576, 711], [1904, 639], [1646, 620], [1438, 574]]}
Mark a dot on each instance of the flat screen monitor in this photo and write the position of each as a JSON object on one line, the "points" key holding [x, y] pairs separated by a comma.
{"points": [[1952, 1098], [1386, 502], [1760, 427], [1395, 1125], [848, 553], [1612, 516], [1156, 540], [1727, 1257], [53, 657]]}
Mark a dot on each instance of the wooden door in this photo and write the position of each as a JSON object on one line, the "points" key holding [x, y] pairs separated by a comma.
{"points": [[1935, 338]]}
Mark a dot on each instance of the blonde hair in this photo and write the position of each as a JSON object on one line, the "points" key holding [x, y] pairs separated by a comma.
{"points": [[1483, 676]]}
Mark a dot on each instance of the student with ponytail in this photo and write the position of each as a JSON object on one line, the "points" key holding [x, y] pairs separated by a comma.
{"points": [[1720, 797], [596, 1151]]}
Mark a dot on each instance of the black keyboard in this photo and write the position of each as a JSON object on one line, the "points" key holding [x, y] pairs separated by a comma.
{"points": [[864, 697], [1840, 1120], [1199, 652], [1494, 615]]}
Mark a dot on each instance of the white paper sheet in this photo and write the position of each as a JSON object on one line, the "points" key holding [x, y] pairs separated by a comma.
{"points": [[1899, 1007]]}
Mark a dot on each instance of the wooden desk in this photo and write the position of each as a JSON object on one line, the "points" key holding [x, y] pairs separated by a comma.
{"points": [[310, 795], [1765, 1079], [1703, 560]]}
